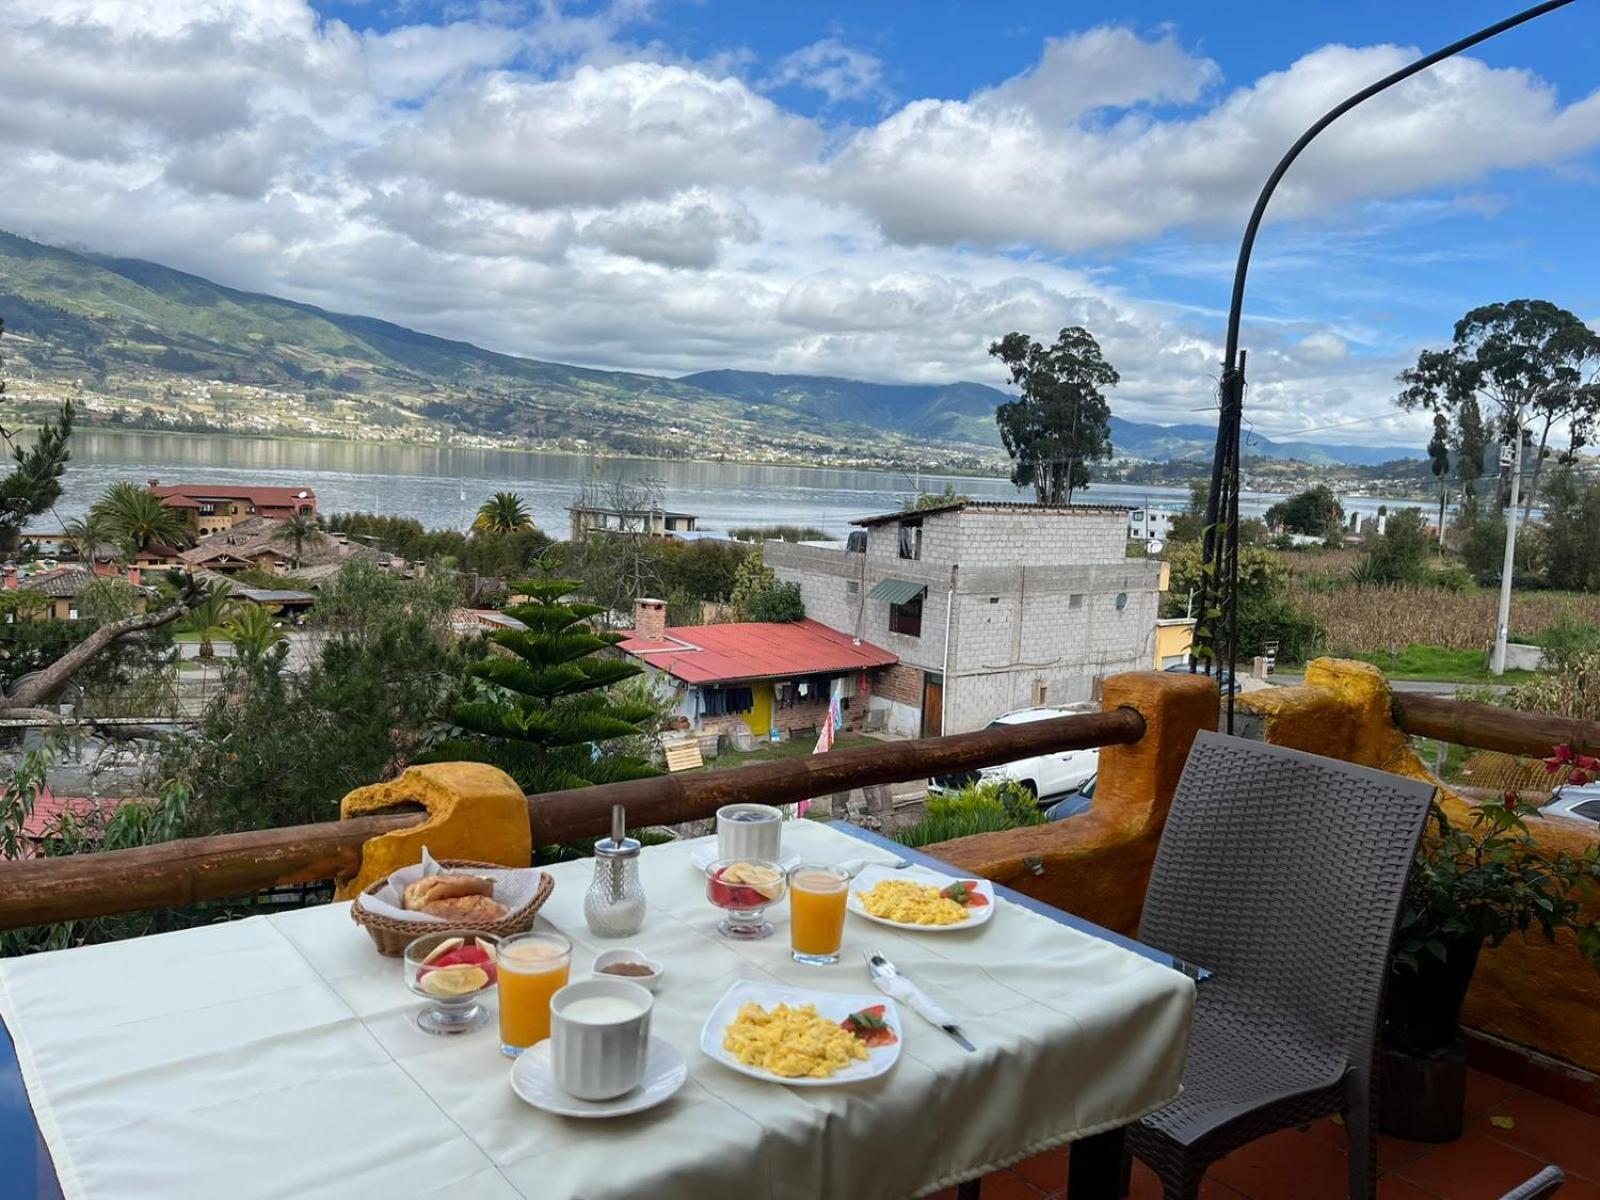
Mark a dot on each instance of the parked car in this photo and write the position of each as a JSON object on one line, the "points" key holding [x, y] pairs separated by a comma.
{"points": [[1080, 800], [1575, 802], [1224, 677], [1046, 775]]}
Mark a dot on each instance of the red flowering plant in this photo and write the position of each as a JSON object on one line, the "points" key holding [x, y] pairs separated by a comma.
{"points": [[1487, 880]]}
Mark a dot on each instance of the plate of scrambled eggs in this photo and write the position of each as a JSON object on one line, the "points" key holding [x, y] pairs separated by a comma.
{"points": [[796, 1036], [920, 899]]}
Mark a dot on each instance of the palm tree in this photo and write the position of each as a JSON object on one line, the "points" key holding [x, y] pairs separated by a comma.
{"points": [[138, 518], [503, 513], [210, 617], [299, 529], [254, 631], [87, 536]]}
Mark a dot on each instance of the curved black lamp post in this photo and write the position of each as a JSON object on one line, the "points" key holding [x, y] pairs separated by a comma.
{"points": [[1217, 627]]}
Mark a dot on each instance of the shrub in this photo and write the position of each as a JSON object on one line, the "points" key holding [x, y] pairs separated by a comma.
{"points": [[778, 603], [984, 807], [778, 533]]}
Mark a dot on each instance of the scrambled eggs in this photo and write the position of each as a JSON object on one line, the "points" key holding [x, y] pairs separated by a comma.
{"points": [[911, 903], [795, 1043]]}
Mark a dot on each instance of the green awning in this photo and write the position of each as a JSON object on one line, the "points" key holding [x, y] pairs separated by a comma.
{"points": [[896, 591]]}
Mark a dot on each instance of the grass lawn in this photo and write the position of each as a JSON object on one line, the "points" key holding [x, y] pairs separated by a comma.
{"points": [[1437, 663], [772, 751], [189, 637]]}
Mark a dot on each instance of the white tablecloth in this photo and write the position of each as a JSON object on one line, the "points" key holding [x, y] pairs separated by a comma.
{"points": [[278, 1056]]}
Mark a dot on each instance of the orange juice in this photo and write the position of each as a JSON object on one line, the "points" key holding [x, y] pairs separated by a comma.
{"points": [[532, 967], [816, 913]]}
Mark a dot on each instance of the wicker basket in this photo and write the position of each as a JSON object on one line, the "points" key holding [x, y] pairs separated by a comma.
{"points": [[391, 936]]}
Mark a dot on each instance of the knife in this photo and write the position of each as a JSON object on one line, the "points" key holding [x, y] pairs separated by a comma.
{"points": [[890, 981]]}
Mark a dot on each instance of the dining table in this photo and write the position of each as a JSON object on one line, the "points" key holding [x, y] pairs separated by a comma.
{"points": [[279, 1056]]}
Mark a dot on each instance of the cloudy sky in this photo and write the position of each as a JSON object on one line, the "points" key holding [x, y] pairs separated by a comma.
{"points": [[874, 189]]}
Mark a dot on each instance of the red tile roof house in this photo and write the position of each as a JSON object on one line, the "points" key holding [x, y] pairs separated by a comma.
{"points": [[211, 507], [760, 676], [50, 811]]}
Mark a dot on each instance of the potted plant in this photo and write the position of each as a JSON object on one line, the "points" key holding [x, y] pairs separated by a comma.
{"points": [[1471, 884]]}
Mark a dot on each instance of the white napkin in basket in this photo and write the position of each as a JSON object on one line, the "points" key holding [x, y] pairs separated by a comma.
{"points": [[512, 887]]}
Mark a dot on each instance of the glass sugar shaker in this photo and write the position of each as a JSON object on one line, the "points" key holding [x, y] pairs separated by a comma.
{"points": [[614, 906]]}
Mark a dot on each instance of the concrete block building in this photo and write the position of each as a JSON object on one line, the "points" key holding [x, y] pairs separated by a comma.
{"points": [[989, 607]]}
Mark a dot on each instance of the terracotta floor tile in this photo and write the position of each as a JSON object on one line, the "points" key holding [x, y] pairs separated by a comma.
{"points": [[1004, 1185], [1578, 1189], [1328, 1130], [1147, 1187], [1394, 1188], [1289, 1165], [1484, 1091], [1551, 1132], [1393, 1152], [1047, 1171], [1472, 1168]]}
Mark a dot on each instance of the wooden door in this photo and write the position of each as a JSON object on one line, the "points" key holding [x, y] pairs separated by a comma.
{"points": [[932, 705]]}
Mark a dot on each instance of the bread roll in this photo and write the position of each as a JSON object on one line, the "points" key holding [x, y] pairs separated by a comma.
{"points": [[442, 887], [474, 909]]}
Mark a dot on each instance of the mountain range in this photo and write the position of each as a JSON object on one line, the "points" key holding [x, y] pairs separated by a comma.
{"points": [[133, 333]]}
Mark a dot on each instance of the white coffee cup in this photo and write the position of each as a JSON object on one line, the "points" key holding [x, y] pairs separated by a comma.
{"points": [[599, 1037], [753, 832]]}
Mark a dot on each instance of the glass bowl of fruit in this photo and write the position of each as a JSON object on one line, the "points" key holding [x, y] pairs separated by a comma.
{"points": [[743, 888], [452, 969]]}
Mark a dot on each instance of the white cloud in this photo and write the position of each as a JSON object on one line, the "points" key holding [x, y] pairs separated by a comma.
{"points": [[838, 71], [603, 135], [686, 230], [543, 186], [1035, 160]]}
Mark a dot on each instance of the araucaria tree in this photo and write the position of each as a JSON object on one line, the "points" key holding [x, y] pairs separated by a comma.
{"points": [[1535, 363], [545, 706], [34, 483], [1061, 423]]}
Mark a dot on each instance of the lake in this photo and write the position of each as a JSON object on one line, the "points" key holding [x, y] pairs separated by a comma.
{"points": [[429, 483]]}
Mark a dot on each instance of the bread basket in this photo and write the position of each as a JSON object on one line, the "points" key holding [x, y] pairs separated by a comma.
{"points": [[391, 936]]}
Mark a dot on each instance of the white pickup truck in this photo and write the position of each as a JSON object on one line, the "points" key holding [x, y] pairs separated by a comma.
{"points": [[1045, 776]]}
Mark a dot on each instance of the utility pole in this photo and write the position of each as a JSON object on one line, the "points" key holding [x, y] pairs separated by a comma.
{"points": [[1497, 660]]}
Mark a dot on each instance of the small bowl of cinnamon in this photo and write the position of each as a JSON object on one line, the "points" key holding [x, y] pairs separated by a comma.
{"points": [[632, 965]]}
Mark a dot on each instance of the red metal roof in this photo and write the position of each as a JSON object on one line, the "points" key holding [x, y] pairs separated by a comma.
{"points": [[261, 497], [756, 650]]}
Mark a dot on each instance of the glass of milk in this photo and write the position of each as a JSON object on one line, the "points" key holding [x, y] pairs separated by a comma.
{"points": [[599, 1036]]}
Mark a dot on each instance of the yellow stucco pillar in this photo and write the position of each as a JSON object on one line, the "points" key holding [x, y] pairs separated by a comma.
{"points": [[1527, 990], [1098, 864], [475, 811]]}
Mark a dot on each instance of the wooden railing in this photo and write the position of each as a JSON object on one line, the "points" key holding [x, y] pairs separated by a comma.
{"points": [[1485, 727], [39, 891]]}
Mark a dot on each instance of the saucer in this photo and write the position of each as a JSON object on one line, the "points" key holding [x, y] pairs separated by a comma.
{"points": [[532, 1080], [704, 855]]}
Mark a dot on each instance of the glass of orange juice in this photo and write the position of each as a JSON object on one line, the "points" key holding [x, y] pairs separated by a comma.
{"points": [[816, 912], [532, 968]]}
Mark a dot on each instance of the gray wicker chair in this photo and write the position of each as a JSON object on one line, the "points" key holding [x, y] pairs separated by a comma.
{"points": [[1283, 873], [1541, 1187]]}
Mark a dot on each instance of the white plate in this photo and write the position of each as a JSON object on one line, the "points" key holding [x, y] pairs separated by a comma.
{"points": [[703, 855], [869, 877], [835, 1006], [533, 1080]]}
